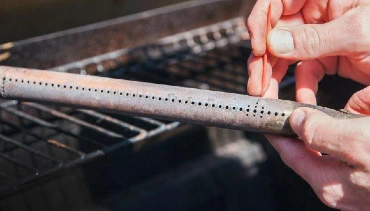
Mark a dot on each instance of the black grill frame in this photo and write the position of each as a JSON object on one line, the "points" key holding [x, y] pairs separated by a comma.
{"points": [[211, 57]]}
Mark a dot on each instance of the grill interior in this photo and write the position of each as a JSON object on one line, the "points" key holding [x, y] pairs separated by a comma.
{"points": [[39, 140]]}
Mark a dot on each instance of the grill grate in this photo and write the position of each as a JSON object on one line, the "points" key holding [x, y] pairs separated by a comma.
{"points": [[37, 140]]}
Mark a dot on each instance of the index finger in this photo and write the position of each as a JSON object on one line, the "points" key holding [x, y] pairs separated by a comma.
{"points": [[257, 20]]}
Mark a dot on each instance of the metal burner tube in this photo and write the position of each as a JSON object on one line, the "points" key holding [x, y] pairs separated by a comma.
{"points": [[160, 101]]}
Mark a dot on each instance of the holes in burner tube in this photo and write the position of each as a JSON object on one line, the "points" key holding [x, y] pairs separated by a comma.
{"points": [[234, 108]]}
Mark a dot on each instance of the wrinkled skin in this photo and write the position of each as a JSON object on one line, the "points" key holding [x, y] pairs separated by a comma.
{"points": [[324, 37]]}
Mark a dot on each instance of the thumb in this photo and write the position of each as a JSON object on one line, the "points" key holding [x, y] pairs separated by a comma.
{"points": [[360, 102], [310, 41], [339, 138]]}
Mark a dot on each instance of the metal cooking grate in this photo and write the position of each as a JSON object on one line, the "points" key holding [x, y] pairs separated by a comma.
{"points": [[38, 140]]}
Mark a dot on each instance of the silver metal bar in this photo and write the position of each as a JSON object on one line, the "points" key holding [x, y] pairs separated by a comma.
{"points": [[196, 106]]}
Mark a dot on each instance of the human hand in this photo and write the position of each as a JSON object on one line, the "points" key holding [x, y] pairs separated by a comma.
{"points": [[327, 37], [340, 179]]}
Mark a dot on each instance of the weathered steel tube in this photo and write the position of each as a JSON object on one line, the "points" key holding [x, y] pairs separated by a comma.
{"points": [[196, 106]]}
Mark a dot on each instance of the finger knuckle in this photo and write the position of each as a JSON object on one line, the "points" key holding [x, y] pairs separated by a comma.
{"points": [[360, 101], [250, 24], [360, 25], [309, 129], [329, 195], [308, 39], [360, 178]]}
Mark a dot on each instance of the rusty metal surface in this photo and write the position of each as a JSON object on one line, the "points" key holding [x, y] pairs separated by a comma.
{"points": [[196, 106], [60, 48]]}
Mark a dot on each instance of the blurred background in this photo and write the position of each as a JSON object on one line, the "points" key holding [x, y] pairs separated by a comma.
{"points": [[23, 19]]}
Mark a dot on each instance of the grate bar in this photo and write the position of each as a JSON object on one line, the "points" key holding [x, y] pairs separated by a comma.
{"points": [[75, 120], [113, 120], [196, 73], [163, 128], [6, 177], [5, 190], [46, 140], [44, 123], [151, 121], [17, 163], [29, 149], [65, 147]]}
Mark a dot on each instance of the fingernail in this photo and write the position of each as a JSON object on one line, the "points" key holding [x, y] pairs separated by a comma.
{"points": [[281, 41], [296, 121]]}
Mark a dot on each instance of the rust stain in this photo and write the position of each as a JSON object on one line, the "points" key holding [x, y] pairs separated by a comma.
{"points": [[4, 56], [63, 146], [6, 46]]}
